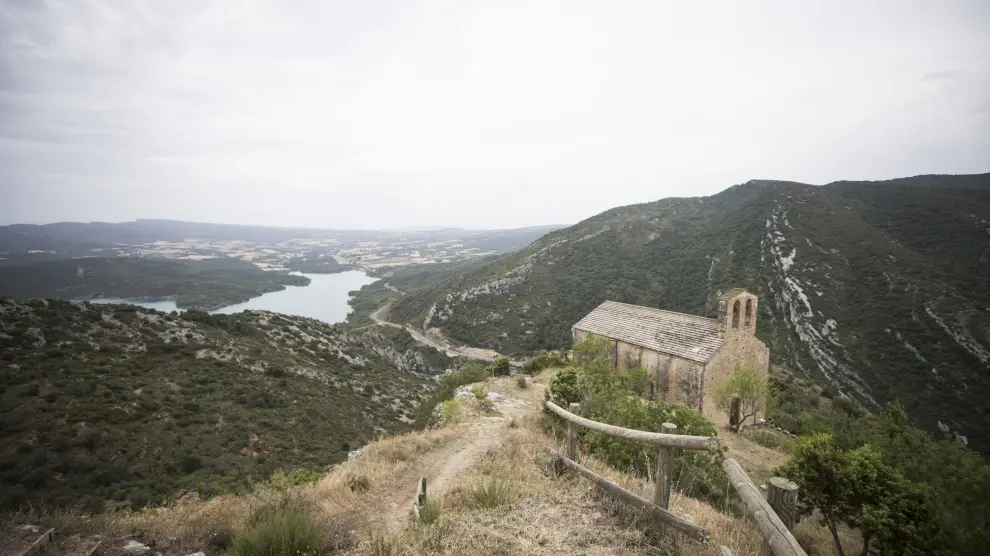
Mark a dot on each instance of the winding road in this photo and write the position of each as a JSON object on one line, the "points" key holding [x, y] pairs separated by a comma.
{"points": [[443, 346]]}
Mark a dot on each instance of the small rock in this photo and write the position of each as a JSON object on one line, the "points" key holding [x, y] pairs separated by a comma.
{"points": [[134, 547], [495, 396], [197, 554], [30, 528], [355, 454]]}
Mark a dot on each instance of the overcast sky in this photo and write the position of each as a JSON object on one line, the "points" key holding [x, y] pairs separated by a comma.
{"points": [[481, 114]]}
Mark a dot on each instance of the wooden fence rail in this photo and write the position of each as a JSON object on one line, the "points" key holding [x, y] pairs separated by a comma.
{"points": [[655, 438], [659, 514], [780, 541]]}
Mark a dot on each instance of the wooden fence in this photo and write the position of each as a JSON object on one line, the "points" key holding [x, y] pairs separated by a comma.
{"points": [[781, 493]]}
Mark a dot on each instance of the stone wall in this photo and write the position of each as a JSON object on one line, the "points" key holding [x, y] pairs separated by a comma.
{"points": [[738, 350]]}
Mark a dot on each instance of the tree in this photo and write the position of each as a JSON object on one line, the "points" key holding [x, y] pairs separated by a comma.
{"points": [[751, 389], [500, 367], [855, 487]]}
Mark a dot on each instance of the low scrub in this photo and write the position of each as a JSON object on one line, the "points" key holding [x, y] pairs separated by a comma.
{"points": [[445, 390], [521, 382], [450, 413], [492, 492], [290, 534], [545, 360], [429, 512], [763, 437]]}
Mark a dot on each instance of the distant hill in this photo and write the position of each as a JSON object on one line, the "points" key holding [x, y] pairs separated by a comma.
{"points": [[881, 288], [116, 404], [73, 237]]}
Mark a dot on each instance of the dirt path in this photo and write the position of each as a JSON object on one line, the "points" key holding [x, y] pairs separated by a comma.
{"points": [[442, 467]]}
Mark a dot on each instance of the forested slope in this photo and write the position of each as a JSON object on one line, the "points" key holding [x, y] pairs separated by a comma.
{"points": [[116, 404], [882, 288]]}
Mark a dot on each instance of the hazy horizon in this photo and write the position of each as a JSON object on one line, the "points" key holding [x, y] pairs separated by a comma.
{"points": [[388, 115]]}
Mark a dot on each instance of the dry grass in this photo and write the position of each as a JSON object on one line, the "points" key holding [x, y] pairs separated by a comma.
{"points": [[546, 515], [534, 514], [198, 525]]}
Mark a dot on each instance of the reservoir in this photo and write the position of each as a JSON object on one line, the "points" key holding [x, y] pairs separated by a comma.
{"points": [[325, 298]]}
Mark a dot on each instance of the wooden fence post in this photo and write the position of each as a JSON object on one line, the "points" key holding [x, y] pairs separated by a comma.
{"points": [[665, 470], [782, 496], [572, 450]]}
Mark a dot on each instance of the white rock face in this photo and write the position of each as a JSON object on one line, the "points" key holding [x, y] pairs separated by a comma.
{"points": [[133, 547]]}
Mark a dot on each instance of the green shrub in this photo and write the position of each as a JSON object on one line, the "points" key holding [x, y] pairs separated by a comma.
{"points": [[614, 399], [445, 390], [563, 388], [491, 493], [696, 474], [857, 488], [290, 534], [545, 359], [521, 381], [450, 412], [479, 392], [500, 367]]}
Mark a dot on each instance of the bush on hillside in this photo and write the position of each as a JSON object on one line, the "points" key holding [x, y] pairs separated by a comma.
{"points": [[445, 390], [290, 534], [857, 488], [544, 360], [500, 367], [613, 398], [563, 388], [450, 412]]}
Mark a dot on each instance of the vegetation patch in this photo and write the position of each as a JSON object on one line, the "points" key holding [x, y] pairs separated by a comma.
{"points": [[615, 399], [114, 405]]}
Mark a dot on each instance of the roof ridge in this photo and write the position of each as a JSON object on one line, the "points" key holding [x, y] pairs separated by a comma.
{"points": [[705, 319]]}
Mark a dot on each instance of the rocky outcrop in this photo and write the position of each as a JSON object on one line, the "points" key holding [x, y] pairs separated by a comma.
{"points": [[410, 361]]}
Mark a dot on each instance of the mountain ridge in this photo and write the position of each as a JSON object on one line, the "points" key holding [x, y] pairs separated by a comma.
{"points": [[851, 293]]}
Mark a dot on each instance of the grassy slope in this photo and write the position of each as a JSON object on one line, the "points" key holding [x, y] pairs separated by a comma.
{"points": [[117, 403], [882, 288], [537, 514]]}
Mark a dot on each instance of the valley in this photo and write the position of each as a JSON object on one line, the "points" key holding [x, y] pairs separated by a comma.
{"points": [[213, 266]]}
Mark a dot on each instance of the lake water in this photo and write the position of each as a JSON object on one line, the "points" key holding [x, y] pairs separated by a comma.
{"points": [[325, 298]]}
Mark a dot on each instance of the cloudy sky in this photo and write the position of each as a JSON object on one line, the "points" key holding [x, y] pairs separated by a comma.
{"points": [[480, 114]]}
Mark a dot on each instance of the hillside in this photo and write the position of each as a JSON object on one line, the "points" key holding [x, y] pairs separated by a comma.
{"points": [[487, 473], [208, 284], [880, 288], [119, 405]]}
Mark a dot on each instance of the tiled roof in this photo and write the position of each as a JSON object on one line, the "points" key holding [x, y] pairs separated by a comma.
{"points": [[686, 336]]}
